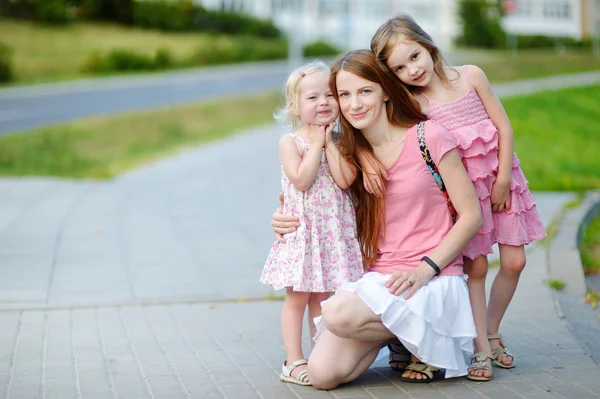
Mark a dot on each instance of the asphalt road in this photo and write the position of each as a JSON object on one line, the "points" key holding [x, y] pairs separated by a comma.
{"points": [[24, 108]]}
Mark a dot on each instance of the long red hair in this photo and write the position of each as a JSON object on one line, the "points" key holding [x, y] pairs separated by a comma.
{"points": [[402, 111]]}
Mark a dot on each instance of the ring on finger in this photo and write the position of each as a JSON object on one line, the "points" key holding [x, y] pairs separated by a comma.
{"points": [[410, 282]]}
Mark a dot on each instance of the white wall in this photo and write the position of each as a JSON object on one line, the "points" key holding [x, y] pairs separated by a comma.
{"points": [[350, 24], [546, 17]]}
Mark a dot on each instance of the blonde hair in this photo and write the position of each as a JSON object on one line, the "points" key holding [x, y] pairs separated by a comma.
{"points": [[288, 114], [384, 40]]}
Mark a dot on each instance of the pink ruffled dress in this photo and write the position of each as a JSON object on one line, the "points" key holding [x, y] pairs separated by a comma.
{"points": [[467, 120]]}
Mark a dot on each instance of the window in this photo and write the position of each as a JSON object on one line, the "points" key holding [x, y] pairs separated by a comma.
{"points": [[280, 6], [524, 7], [556, 10], [328, 7]]}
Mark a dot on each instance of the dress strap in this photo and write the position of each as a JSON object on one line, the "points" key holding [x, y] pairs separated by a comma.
{"points": [[464, 70], [301, 142]]}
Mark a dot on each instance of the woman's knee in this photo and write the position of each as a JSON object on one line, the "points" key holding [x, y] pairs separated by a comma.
{"points": [[337, 314], [321, 376]]}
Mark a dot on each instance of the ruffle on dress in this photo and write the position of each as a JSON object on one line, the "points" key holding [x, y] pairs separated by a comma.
{"points": [[519, 225], [436, 324]]}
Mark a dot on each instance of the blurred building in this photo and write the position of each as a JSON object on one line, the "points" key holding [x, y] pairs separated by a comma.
{"points": [[578, 19], [348, 24]]}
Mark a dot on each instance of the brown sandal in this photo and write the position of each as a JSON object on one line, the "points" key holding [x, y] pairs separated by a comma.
{"points": [[501, 352], [480, 361], [424, 369]]}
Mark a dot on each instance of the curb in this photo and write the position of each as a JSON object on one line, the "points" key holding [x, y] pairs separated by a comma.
{"points": [[564, 260]]}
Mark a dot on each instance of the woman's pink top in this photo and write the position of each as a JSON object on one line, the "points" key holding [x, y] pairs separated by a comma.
{"points": [[417, 215]]}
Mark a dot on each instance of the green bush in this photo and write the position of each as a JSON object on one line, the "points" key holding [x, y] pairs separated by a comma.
{"points": [[531, 42], [480, 20], [320, 49], [54, 12], [123, 60], [120, 11], [163, 59], [6, 69], [166, 15], [238, 49], [236, 24], [185, 15]]}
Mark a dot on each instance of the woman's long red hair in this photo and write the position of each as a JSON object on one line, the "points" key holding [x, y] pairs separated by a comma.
{"points": [[402, 111]]}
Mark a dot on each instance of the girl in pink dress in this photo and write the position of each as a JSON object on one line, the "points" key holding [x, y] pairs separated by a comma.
{"points": [[323, 253], [461, 100]]}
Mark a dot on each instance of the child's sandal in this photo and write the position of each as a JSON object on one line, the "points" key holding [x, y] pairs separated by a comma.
{"points": [[480, 361], [501, 353], [286, 373]]}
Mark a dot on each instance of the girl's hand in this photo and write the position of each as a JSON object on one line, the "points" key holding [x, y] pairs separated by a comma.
{"points": [[317, 135], [328, 133], [373, 172], [283, 224], [500, 197], [410, 280]]}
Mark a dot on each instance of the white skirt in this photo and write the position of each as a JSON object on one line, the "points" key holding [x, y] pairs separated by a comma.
{"points": [[436, 324]]}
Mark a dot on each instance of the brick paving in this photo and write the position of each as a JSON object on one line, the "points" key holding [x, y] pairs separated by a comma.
{"points": [[146, 286]]}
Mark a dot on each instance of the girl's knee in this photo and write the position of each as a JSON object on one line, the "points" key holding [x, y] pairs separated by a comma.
{"points": [[297, 299], [513, 266], [477, 269]]}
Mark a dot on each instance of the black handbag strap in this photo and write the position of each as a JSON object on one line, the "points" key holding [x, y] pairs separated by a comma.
{"points": [[433, 168]]}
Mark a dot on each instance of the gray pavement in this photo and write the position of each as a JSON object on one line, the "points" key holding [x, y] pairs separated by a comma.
{"points": [[146, 286]]}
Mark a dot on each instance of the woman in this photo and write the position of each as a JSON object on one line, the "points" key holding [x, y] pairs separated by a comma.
{"points": [[415, 291]]}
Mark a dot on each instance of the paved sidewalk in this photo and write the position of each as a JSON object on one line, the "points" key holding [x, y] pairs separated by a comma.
{"points": [[146, 286], [141, 288]]}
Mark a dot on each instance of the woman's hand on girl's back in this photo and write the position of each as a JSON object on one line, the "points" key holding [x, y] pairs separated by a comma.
{"points": [[283, 224]]}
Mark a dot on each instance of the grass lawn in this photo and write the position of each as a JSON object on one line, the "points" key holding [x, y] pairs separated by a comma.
{"points": [[503, 66], [590, 247], [106, 146], [557, 138], [44, 53]]}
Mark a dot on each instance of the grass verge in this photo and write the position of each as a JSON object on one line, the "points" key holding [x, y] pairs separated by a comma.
{"points": [[39, 52], [556, 138], [104, 147], [503, 66], [590, 247]]}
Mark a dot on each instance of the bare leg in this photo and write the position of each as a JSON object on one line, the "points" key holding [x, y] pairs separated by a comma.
{"points": [[347, 316], [292, 316], [512, 262], [350, 344], [477, 271], [314, 310]]}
